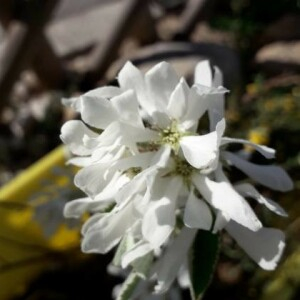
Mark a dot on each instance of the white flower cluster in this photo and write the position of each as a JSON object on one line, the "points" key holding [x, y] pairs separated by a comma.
{"points": [[152, 180]]}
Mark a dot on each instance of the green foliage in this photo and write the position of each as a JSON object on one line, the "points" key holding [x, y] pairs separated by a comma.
{"points": [[129, 286], [142, 265], [203, 257], [126, 242]]}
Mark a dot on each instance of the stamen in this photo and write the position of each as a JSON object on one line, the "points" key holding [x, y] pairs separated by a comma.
{"points": [[183, 168], [171, 136]]}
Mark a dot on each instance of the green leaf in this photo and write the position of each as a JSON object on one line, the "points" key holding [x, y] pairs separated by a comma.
{"points": [[143, 264], [202, 260], [129, 286], [126, 243]]}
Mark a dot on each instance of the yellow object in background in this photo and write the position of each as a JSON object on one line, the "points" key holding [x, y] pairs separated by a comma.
{"points": [[259, 135], [24, 249]]}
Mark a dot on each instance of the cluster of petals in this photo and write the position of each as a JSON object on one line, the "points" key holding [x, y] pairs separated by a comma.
{"points": [[151, 180]]}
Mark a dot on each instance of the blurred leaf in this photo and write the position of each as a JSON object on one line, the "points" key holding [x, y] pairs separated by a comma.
{"points": [[286, 283]]}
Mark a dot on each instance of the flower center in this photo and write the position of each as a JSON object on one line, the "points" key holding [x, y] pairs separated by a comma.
{"points": [[171, 136], [183, 168]]}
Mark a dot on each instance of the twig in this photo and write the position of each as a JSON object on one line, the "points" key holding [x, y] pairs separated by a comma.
{"points": [[106, 53], [21, 43]]}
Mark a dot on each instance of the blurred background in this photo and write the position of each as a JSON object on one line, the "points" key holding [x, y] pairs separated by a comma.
{"points": [[51, 49]]}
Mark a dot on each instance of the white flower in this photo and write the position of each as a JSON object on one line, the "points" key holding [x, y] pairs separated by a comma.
{"points": [[149, 170], [173, 110]]}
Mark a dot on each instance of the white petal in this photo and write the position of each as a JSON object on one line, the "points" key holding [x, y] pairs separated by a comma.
{"points": [[161, 80], [210, 91], [112, 188], [101, 241], [159, 220], [137, 252], [91, 179], [126, 106], [139, 182], [169, 264], [145, 178], [218, 77], [75, 208], [221, 221], [216, 108], [178, 100], [74, 102], [130, 77], [121, 133], [263, 150], [197, 213], [203, 73], [107, 137], [222, 196], [107, 232], [128, 191], [200, 151], [264, 246], [160, 185], [92, 221], [161, 157], [141, 202], [80, 161], [183, 277], [104, 92], [215, 101], [220, 128], [220, 175], [97, 112], [137, 135], [142, 160], [247, 189], [154, 189], [196, 107], [133, 134], [105, 154], [273, 177], [72, 133]]}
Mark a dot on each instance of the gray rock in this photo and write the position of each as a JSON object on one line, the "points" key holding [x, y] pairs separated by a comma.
{"points": [[280, 56], [82, 30]]}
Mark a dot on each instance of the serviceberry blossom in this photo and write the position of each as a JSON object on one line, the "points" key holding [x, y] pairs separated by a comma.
{"points": [[152, 180]]}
